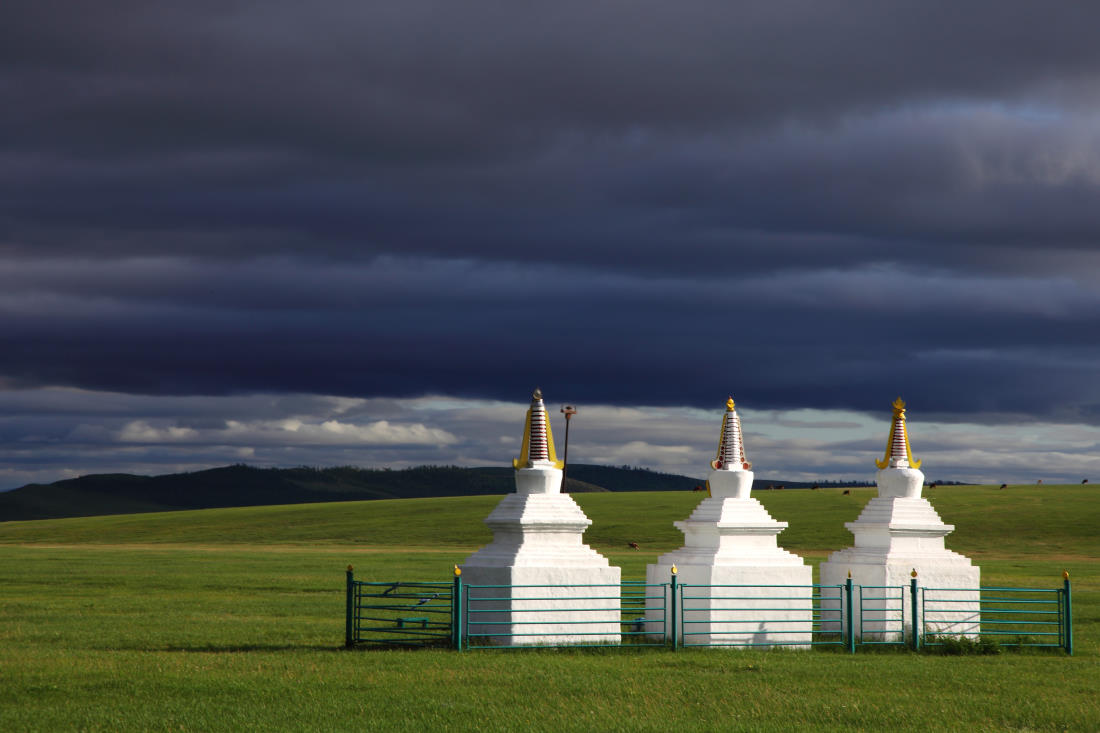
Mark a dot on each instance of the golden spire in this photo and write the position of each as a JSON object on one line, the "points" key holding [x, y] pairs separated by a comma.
{"points": [[538, 441], [897, 445]]}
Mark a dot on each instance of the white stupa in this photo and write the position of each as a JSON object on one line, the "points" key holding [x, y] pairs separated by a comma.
{"points": [[730, 540], [537, 542], [897, 534]]}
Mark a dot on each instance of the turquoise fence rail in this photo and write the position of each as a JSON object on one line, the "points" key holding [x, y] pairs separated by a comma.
{"points": [[882, 615], [1022, 617], [758, 616], [398, 613], [524, 616]]}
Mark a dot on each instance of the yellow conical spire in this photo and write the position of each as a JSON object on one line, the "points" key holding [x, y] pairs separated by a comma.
{"points": [[538, 440], [731, 445], [898, 454]]}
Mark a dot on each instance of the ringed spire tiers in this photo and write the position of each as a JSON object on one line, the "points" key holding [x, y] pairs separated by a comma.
{"points": [[731, 444], [538, 440], [898, 453]]}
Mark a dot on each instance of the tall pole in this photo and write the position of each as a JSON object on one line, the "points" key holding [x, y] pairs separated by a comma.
{"points": [[569, 411], [1069, 612]]}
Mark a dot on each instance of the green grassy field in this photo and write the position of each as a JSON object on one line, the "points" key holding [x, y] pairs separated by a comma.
{"points": [[232, 619]]}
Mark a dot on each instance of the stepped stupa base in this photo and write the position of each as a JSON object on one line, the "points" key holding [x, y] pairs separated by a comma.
{"points": [[736, 605], [735, 585], [537, 583], [573, 605], [899, 533]]}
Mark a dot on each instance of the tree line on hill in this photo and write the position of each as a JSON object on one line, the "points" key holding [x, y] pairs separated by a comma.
{"points": [[241, 485]]}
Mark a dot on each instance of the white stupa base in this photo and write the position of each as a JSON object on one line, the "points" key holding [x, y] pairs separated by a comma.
{"points": [[898, 532], [570, 606], [886, 603], [731, 548], [537, 542], [762, 614]]}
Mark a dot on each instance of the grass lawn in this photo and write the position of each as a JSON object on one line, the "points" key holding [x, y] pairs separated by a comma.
{"points": [[232, 619]]}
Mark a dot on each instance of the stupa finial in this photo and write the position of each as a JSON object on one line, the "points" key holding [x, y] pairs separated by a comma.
{"points": [[538, 440], [898, 453], [731, 445]]}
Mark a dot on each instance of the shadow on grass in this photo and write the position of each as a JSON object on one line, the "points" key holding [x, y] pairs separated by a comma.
{"points": [[245, 648]]}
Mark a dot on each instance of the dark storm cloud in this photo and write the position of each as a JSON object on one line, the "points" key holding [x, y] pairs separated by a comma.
{"points": [[640, 202], [407, 328], [436, 65]]}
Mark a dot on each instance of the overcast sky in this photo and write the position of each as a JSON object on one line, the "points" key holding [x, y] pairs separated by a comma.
{"points": [[361, 233]]}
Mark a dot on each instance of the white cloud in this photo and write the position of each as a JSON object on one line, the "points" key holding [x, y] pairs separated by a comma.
{"points": [[295, 431], [140, 431]]}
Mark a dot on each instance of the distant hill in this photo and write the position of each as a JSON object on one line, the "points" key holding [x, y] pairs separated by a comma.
{"points": [[240, 485], [628, 478]]}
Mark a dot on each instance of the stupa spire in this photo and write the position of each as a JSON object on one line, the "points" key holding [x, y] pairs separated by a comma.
{"points": [[538, 441], [898, 454], [731, 444]]}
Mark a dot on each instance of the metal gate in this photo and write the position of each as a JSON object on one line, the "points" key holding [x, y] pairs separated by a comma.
{"points": [[398, 613], [1036, 617]]}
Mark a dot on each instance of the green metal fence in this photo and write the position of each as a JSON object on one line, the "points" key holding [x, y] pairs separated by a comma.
{"points": [[758, 616], [673, 614], [644, 618], [512, 616], [1010, 616]]}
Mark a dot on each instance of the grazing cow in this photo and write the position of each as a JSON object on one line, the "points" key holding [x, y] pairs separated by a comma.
{"points": [[814, 487], [1004, 486], [1084, 481], [780, 487], [634, 545], [698, 488], [1039, 482], [846, 492]]}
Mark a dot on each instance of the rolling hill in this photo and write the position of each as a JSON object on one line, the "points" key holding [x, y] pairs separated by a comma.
{"points": [[241, 485]]}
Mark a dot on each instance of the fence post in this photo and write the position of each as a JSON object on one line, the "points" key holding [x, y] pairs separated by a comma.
{"points": [[672, 610], [913, 607], [456, 610], [850, 632], [1069, 613], [349, 611]]}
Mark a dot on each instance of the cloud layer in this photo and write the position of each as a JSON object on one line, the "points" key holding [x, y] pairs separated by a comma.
{"points": [[52, 433], [811, 207]]}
